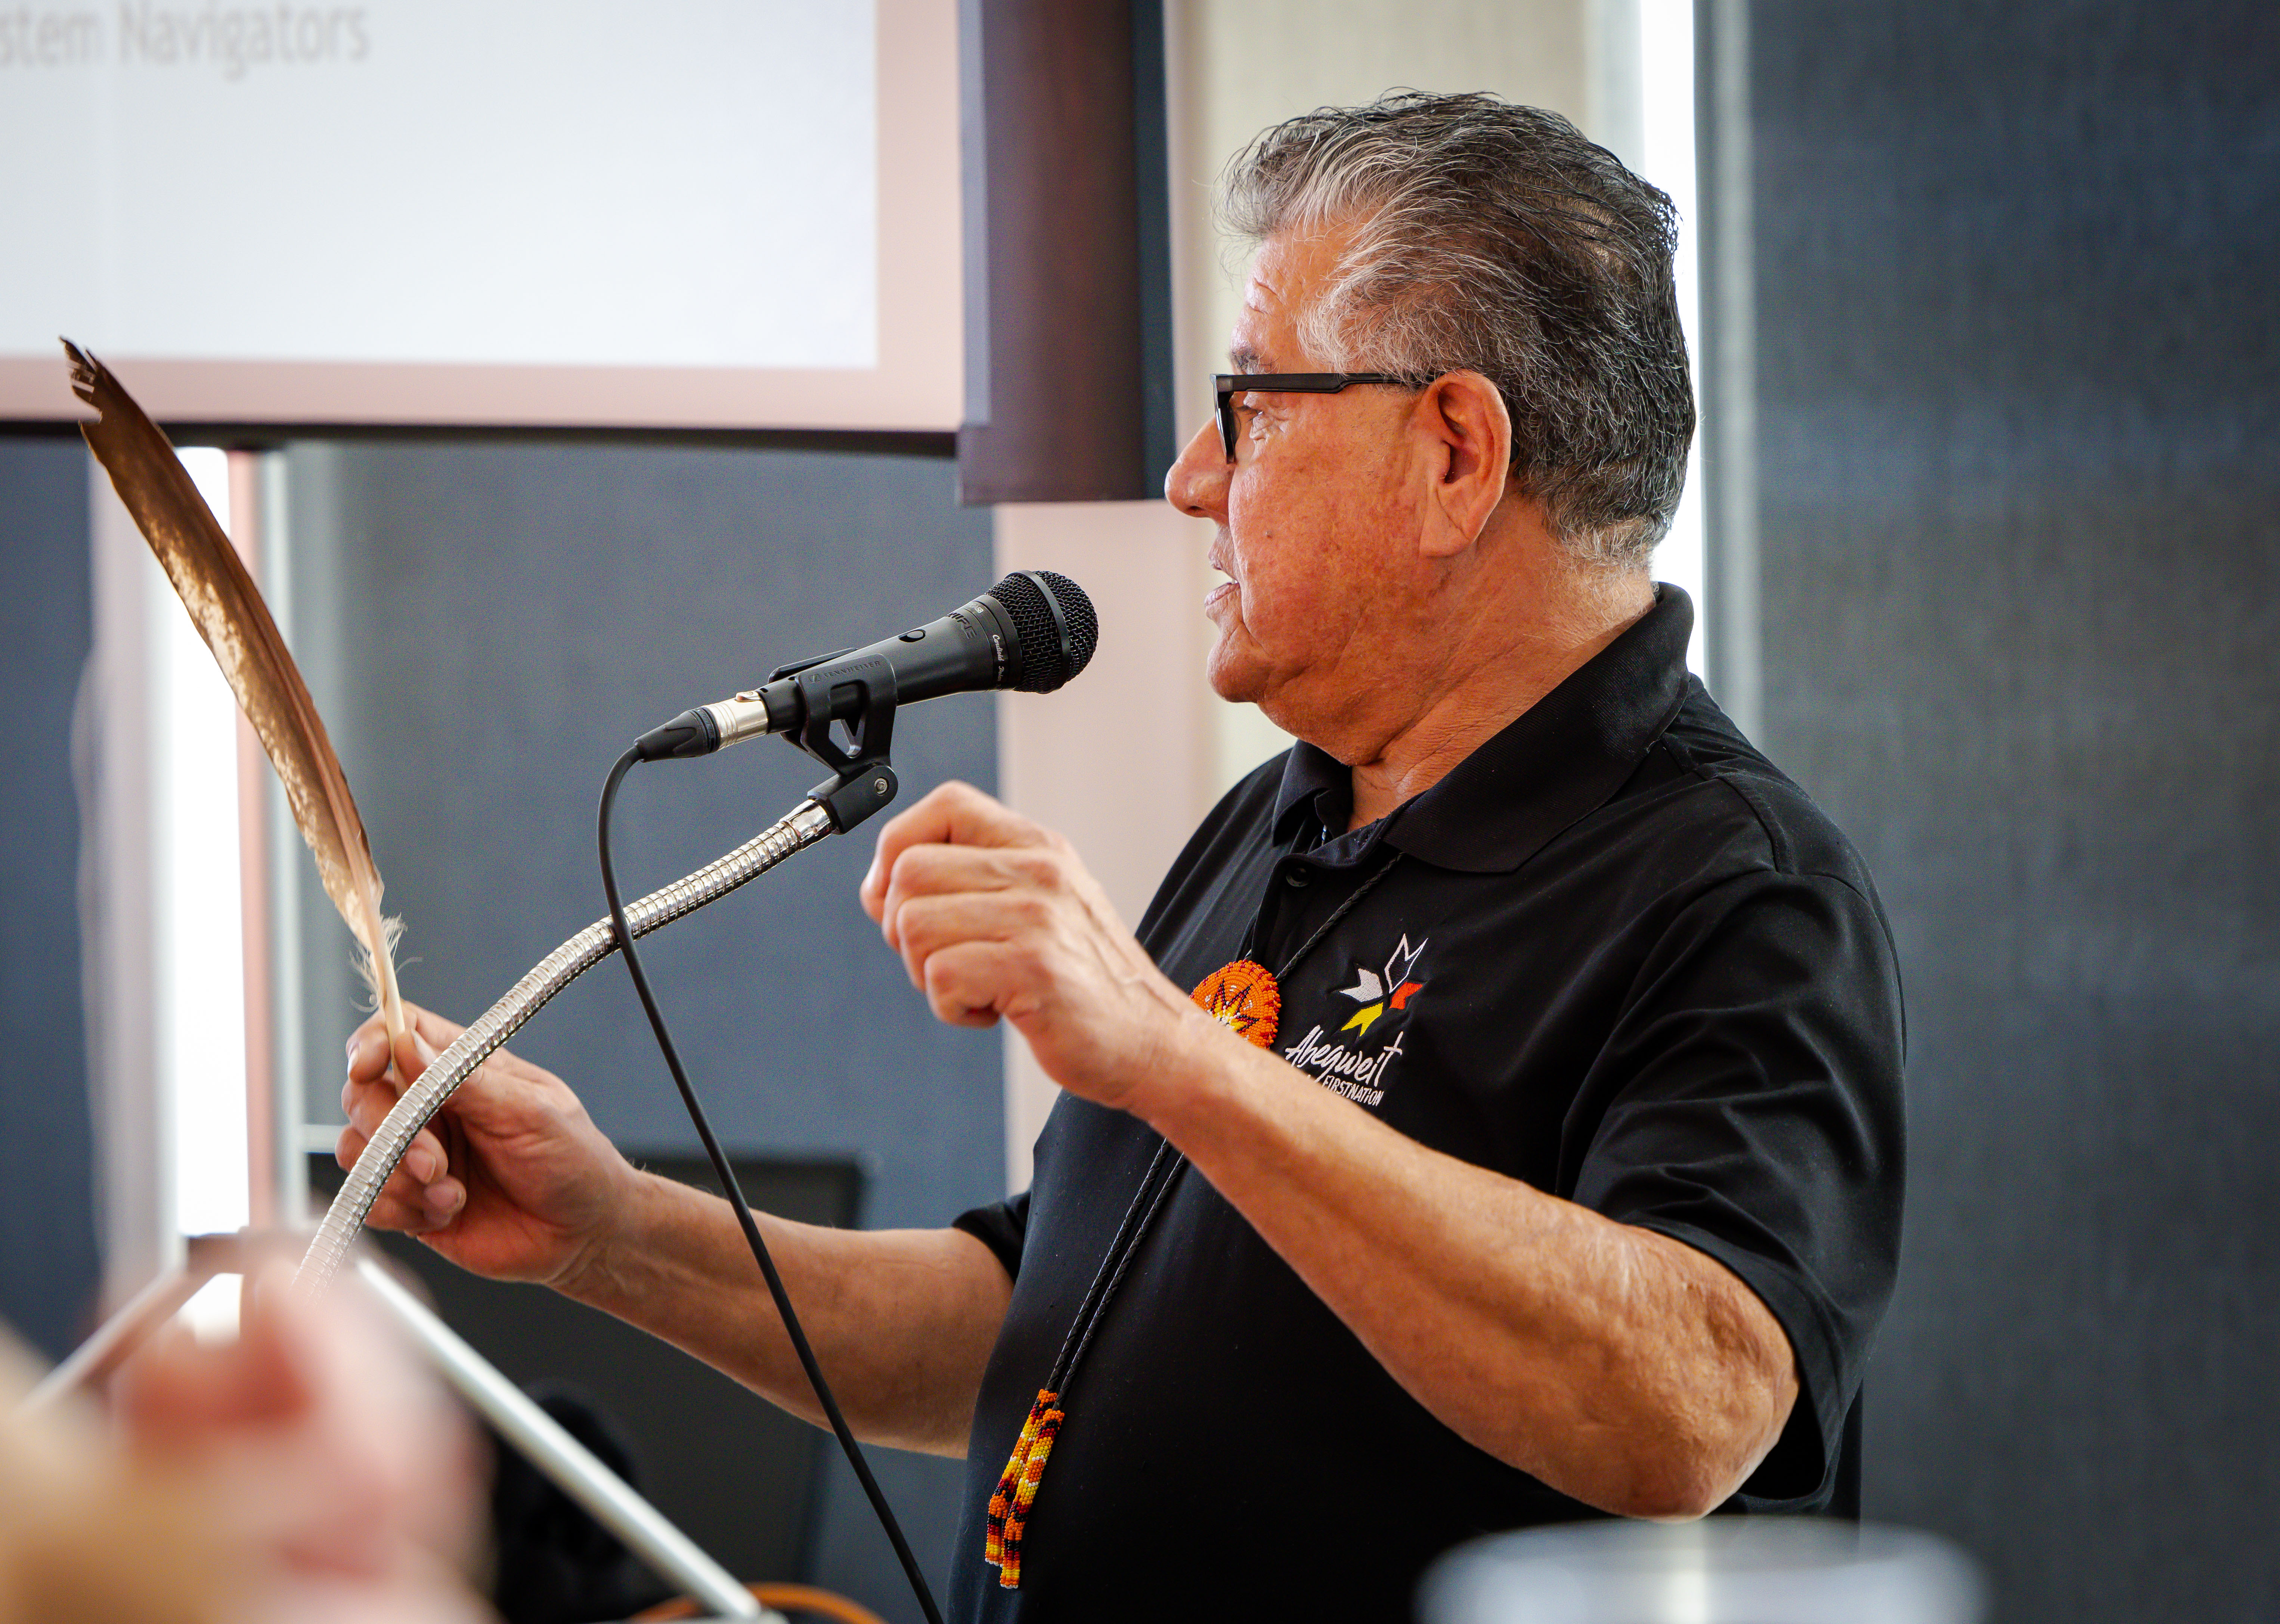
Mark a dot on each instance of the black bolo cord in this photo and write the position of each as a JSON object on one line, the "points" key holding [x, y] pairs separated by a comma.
{"points": [[729, 1188]]}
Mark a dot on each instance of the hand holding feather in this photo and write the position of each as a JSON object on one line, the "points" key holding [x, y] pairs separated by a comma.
{"points": [[228, 612]]}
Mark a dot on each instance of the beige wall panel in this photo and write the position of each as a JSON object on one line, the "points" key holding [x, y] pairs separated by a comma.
{"points": [[1120, 760]]}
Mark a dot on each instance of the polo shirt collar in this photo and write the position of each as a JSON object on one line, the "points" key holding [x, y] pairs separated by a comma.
{"points": [[1558, 760]]}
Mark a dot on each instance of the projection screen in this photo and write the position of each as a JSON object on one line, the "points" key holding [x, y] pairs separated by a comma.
{"points": [[671, 214]]}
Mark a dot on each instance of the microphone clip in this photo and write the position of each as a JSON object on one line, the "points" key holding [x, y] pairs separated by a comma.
{"points": [[863, 780]]}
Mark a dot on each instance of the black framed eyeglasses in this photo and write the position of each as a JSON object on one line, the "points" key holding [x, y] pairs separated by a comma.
{"points": [[1229, 385]]}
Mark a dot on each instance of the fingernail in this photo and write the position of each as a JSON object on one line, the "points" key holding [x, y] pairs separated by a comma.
{"points": [[441, 1208], [352, 1045], [422, 1164]]}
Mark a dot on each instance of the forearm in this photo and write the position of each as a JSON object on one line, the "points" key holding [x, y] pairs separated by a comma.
{"points": [[902, 1321], [1625, 1369], [1619, 1366]]}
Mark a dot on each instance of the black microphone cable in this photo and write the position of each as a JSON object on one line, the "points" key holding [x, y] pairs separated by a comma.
{"points": [[736, 1194]]}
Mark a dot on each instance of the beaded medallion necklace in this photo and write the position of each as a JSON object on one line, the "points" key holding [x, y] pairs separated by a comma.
{"points": [[1244, 995]]}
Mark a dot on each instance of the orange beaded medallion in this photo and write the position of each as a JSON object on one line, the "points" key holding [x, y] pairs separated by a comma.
{"points": [[1243, 995]]}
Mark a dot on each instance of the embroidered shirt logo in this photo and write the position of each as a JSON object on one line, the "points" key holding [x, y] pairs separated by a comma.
{"points": [[1355, 1068]]}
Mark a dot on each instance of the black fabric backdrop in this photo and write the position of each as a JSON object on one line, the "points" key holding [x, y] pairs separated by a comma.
{"points": [[2019, 401], [48, 1269]]}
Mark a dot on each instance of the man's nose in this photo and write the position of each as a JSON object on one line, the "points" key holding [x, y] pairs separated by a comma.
{"points": [[1196, 484]]}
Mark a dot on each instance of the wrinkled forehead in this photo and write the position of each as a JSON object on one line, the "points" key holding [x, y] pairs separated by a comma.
{"points": [[1287, 278]]}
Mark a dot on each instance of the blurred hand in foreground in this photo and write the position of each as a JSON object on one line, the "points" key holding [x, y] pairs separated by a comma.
{"points": [[304, 1469]]}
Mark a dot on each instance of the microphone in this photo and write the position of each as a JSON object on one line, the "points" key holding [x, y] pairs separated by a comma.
{"points": [[1031, 631]]}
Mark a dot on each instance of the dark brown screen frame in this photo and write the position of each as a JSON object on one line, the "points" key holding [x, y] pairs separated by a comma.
{"points": [[1068, 265]]}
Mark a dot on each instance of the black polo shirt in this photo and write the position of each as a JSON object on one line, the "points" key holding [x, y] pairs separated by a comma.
{"points": [[1621, 958]]}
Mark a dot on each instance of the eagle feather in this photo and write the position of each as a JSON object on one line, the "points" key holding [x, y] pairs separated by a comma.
{"points": [[228, 609]]}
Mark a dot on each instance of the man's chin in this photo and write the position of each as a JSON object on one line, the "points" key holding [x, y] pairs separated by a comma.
{"points": [[1233, 679]]}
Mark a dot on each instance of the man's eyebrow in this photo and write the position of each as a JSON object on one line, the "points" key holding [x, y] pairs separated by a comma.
{"points": [[1244, 359]]}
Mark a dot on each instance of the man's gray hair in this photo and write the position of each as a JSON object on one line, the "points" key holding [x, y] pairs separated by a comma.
{"points": [[1496, 239]]}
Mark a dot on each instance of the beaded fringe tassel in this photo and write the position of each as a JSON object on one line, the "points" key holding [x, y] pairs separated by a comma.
{"points": [[1017, 1489]]}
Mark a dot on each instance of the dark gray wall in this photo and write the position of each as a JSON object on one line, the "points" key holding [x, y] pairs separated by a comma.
{"points": [[2019, 402], [485, 628], [48, 1265]]}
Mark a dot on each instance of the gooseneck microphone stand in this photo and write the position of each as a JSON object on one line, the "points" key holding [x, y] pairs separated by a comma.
{"points": [[862, 783]]}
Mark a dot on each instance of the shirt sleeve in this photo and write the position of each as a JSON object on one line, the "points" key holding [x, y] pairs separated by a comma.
{"points": [[1749, 1106], [1002, 1227]]}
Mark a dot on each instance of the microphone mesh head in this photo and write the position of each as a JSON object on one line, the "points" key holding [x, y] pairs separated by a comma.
{"points": [[1048, 658]]}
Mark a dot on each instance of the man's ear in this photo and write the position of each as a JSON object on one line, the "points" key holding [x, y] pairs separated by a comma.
{"points": [[1468, 433]]}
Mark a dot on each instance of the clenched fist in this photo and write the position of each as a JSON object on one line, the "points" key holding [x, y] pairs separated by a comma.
{"points": [[996, 918]]}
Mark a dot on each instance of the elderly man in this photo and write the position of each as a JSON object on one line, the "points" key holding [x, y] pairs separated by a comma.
{"points": [[1496, 1118]]}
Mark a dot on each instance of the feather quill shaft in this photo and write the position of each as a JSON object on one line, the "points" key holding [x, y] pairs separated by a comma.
{"points": [[228, 609]]}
